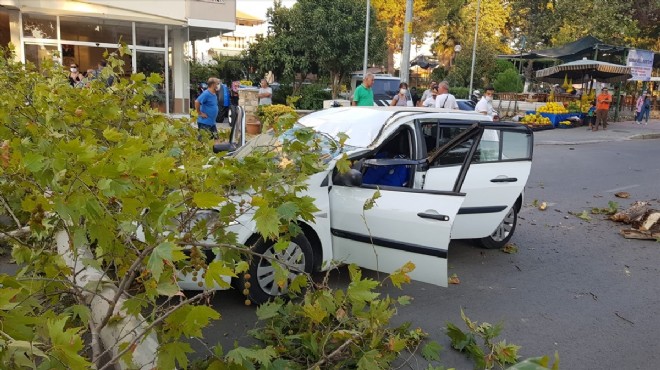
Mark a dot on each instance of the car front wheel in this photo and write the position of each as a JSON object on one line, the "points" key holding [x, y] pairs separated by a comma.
{"points": [[260, 282], [503, 232]]}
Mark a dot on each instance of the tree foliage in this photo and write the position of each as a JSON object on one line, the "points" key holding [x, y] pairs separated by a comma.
{"points": [[391, 14], [508, 81], [98, 164], [325, 36]]}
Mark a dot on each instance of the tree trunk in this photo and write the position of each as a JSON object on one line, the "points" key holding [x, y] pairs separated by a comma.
{"points": [[390, 60], [636, 211]]}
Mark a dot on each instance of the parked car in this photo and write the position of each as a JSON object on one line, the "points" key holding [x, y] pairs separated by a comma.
{"points": [[441, 175]]}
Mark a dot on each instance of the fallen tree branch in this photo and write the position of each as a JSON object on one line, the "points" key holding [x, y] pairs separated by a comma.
{"points": [[14, 234]]}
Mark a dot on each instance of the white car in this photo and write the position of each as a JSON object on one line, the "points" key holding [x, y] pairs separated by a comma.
{"points": [[442, 175]]}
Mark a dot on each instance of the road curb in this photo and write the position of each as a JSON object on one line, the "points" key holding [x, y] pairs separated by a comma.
{"points": [[645, 136]]}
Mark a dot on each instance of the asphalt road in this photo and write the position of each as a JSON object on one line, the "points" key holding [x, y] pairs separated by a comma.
{"points": [[574, 287]]}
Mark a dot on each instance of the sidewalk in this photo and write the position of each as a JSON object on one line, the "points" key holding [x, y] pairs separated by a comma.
{"points": [[616, 131]]}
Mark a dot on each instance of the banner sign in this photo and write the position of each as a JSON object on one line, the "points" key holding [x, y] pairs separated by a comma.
{"points": [[641, 64]]}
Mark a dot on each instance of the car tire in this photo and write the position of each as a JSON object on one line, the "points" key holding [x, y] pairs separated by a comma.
{"points": [[503, 232], [259, 282]]}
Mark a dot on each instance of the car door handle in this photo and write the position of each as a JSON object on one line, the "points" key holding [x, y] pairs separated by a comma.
{"points": [[433, 216], [504, 179]]}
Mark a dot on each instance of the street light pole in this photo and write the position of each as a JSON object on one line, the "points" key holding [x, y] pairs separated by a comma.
{"points": [[405, 54], [366, 41], [474, 45]]}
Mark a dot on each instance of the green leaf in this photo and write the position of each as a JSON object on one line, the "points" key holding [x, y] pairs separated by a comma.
{"points": [[315, 312], [368, 361], [404, 300], [171, 354], [160, 254], [241, 354], [584, 215], [268, 310], [371, 202], [288, 211], [7, 295], [66, 344], [215, 272], [401, 276], [431, 351], [267, 222], [536, 363], [361, 291], [459, 339], [34, 162], [207, 200], [112, 135]]}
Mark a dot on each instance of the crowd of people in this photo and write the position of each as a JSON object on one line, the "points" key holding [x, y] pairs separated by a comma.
{"points": [[437, 96]]}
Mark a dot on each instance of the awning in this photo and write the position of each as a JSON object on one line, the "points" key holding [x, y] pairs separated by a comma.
{"points": [[585, 70]]}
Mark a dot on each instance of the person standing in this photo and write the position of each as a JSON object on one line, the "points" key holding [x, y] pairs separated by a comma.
{"points": [[233, 100], [206, 106], [427, 93], [224, 101], [430, 101], [646, 109], [265, 93], [364, 95], [401, 99], [444, 98], [485, 105], [603, 101], [414, 96]]}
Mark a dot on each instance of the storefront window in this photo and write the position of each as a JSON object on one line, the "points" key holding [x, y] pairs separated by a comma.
{"points": [[88, 57], [148, 63], [96, 30], [148, 34], [5, 32], [38, 53], [39, 26]]}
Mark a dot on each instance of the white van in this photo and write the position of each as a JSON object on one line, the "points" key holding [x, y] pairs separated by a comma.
{"points": [[384, 88]]}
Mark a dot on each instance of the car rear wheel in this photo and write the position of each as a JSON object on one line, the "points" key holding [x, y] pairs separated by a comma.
{"points": [[260, 282], [503, 232]]}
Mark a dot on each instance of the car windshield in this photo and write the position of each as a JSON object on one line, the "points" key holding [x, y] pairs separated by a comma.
{"points": [[326, 146]]}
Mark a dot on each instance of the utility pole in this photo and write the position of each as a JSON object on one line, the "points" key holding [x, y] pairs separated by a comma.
{"points": [[366, 41], [405, 54], [474, 46]]}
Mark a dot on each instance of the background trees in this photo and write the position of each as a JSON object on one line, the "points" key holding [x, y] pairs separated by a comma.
{"points": [[327, 36], [324, 36]]}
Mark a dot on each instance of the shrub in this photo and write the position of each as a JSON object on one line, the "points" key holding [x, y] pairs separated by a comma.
{"points": [[460, 92], [508, 81], [280, 93], [269, 115], [312, 97]]}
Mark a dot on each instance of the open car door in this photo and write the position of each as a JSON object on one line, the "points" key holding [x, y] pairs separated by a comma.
{"points": [[403, 225]]}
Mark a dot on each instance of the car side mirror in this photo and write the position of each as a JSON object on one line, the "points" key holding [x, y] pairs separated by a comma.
{"points": [[351, 177]]}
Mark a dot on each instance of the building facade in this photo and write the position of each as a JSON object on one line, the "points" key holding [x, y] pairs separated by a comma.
{"points": [[159, 33]]}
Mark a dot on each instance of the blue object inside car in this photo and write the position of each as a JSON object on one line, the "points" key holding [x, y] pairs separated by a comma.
{"points": [[386, 175]]}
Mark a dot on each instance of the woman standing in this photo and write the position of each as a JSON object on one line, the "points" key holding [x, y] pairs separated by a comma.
{"points": [[75, 77], [645, 110], [401, 99]]}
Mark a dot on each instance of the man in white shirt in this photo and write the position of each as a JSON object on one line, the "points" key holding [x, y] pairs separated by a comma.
{"points": [[430, 100], [485, 105], [427, 93], [444, 98]]}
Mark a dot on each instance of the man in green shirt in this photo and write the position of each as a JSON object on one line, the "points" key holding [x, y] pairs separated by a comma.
{"points": [[363, 95]]}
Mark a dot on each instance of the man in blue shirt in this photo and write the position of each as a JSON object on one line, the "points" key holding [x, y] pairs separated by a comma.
{"points": [[206, 106]]}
